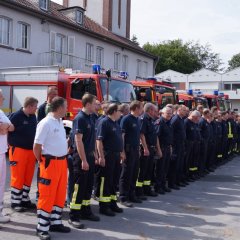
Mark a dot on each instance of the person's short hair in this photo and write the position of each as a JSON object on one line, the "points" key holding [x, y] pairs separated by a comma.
{"points": [[175, 107], [195, 113], [112, 107], [169, 105], [123, 107], [56, 103], [134, 105], [51, 89], [166, 109], [206, 111], [213, 109], [223, 113], [87, 98], [148, 106], [29, 101]]}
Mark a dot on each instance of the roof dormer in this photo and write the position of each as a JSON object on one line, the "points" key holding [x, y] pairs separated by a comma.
{"points": [[74, 13], [44, 5]]}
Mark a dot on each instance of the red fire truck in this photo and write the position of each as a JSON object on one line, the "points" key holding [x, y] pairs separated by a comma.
{"points": [[151, 90], [18, 83]]}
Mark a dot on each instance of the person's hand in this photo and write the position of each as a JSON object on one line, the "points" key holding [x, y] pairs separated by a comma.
{"points": [[101, 161], [146, 152], [85, 166], [123, 156]]}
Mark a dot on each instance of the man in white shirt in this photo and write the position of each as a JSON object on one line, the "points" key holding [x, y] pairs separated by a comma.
{"points": [[50, 149], [5, 126]]}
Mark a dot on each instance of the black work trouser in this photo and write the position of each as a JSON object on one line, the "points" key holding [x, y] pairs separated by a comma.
{"points": [[230, 143], [203, 156], [224, 147], [129, 173], [107, 180], [189, 166], [178, 154], [162, 166], [145, 171], [211, 154], [219, 149], [83, 185]]}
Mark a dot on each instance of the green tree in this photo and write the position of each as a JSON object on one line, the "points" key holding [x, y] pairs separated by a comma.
{"points": [[183, 57], [234, 62]]}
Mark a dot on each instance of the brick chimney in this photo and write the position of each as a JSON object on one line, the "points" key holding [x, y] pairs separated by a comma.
{"points": [[66, 3]]}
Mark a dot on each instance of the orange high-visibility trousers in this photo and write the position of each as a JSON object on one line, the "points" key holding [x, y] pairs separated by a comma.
{"points": [[52, 186], [22, 165]]}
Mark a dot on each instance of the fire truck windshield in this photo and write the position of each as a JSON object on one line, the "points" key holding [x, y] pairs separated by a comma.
{"points": [[119, 91], [167, 96], [222, 106]]}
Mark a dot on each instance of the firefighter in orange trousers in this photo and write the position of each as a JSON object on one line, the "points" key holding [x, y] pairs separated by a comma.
{"points": [[50, 149], [22, 159]]}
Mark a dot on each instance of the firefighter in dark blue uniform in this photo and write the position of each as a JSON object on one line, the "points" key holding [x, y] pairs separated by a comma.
{"points": [[149, 147], [219, 139], [130, 166], [231, 134], [192, 143], [238, 134], [224, 116], [110, 151], [176, 171], [83, 163], [205, 135], [211, 144], [165, 135]]}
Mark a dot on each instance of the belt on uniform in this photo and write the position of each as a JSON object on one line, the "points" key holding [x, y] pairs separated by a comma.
{"points": [[47, 156]]}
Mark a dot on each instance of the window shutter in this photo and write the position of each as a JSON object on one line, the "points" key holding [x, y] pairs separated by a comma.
{"points": [[52, 41], [71, 45]]}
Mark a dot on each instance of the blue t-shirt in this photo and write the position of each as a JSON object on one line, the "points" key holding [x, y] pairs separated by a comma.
{"points": [[84, 124], [164, 131], [131, 128], [147, 128], [25, 130], [110, 133]]}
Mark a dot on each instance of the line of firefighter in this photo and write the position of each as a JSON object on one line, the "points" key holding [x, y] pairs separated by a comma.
{"points": [[133, 149]]}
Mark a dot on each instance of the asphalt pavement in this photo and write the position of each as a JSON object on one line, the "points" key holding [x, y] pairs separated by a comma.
{"points": [[208, 209]]}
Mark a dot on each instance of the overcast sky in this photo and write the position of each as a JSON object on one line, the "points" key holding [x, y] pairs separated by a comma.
{"points": [[216, 22]]}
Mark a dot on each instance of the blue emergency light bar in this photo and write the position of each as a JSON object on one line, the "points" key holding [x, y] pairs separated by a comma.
{"points": [[152, 78], [96, 69], [215, 92], [123, 74], [190, 92], [221, 94]]}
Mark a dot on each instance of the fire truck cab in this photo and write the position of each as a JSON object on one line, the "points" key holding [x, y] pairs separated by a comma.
{"points": [[18, 83], [151, 90]]}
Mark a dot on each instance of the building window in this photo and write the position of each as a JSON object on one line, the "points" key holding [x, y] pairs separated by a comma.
{"points": [[116, 61], [23, 36], [79, 17], [89, 53], [5, 28], [125, 63], [100, 56], [43, 4], [139, 63], [60, 40], [235, 86], [145, 69], [227, 86]]}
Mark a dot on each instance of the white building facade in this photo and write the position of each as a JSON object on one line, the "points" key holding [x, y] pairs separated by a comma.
{"points": [[43, 33], [207, 81]]}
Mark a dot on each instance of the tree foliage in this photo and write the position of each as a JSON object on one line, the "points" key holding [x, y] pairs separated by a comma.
{"points": [[234, 62], [184, 57], [134, 39]]}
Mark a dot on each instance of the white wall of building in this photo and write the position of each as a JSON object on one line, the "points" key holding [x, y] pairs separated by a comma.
{"points": [[40, 46]]}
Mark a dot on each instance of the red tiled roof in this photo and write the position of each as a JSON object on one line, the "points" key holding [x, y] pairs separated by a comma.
{"points": [[89, 26]]}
